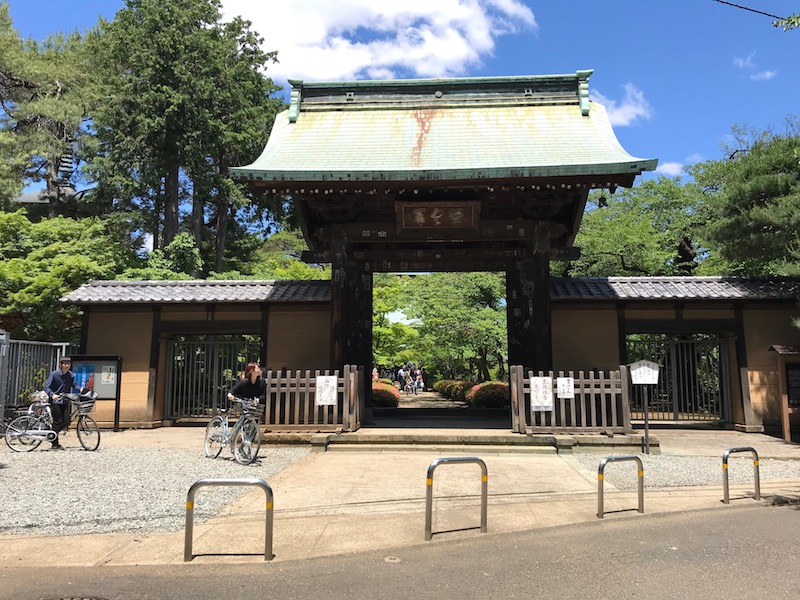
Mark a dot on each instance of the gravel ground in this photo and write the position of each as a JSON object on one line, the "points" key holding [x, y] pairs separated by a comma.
{"points": [[664, 471], [120, 489]]}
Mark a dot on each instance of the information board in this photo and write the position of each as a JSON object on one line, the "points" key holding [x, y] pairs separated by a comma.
{"points": [[100, 374], [644, 372], [793, 383], [541, 393], [326, 390], [565, 387]]}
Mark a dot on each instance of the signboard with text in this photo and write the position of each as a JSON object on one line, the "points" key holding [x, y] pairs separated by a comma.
{"points": [[644, 372], [541, 394]]}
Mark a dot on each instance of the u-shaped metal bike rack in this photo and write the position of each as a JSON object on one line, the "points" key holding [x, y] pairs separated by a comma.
{"points": [[725, 491], [187, 546], [600, 476], [429, 494]]}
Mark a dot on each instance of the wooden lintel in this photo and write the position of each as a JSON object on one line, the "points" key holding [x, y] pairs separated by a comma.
{"points": [[511, 230]]}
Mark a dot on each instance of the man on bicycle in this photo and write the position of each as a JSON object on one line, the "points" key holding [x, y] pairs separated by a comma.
{"points": [[60, 382]]}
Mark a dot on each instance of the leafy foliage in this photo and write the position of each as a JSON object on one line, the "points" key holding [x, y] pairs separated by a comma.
{"points": [[46, 260], [655, 228], [182, 98], [755, 194]]}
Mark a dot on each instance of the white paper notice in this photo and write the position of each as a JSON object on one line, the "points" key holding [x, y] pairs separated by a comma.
{"points": [[326, 390], [541, 393], [565, 387]]}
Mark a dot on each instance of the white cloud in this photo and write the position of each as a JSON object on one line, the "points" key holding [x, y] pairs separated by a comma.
{"points": [[749, 64], [745, 63], [371, 39], [670, 169], [634, 106], [695, 158], [763, 75]]}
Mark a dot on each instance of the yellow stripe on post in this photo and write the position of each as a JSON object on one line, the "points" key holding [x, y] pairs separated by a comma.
{"points": [[269, 505], [641, 473], [429, 481], [190, 506], [484, 478], [724, 465], [755, 462], [599, 477]]}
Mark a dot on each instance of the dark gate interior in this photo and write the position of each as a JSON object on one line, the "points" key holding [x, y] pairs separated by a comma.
{"points": [[202, 368], [693, 383]]}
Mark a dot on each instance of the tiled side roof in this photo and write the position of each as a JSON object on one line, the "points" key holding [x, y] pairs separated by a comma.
{"points": [[589, 288], [199, 292], [675, 288]]}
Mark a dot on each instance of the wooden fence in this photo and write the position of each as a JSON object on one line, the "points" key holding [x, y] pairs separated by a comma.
{"points": [[291, 401], [600, 403]]}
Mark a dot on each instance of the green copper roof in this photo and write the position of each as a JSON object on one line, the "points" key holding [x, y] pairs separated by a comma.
{"points": [[442, 130]]}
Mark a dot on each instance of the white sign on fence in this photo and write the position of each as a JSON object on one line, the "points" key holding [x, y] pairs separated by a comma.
{"points": [[565, 387], [644, 372], [541, 393], [326, 390]]}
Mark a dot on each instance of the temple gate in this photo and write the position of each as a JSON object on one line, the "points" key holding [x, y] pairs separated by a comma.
{"points": [[473, 174]]}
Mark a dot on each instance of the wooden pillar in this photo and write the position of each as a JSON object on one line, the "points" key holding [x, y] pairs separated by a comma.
{"points": [[351, 314], [751, 423], [530, 334], [338, 298]]}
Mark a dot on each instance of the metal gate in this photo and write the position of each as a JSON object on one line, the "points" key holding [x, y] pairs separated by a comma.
{"points": [[201, 369], [694, 383], [24, 367]]}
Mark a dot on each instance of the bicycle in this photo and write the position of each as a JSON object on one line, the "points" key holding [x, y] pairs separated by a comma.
{"points": [[244, 437], [27, 432]]}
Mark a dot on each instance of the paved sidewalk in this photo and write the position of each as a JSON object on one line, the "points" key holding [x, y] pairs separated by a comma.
{"points": [[341, 502]]}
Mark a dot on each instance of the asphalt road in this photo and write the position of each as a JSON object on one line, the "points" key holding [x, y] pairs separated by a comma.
{"points": [[737, 552]]}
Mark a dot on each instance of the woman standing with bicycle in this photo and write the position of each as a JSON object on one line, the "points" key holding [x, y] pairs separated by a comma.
{"points": [[251, 385]]}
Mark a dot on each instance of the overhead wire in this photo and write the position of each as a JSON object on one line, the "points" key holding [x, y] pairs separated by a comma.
{"points": [[760, 12]]}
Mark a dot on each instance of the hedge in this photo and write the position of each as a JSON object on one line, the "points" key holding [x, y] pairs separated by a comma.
{"points": [[490, 394], [384, 395]]}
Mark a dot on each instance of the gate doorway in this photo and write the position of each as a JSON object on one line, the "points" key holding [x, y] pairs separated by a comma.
{"points": [[201, 369], [694, 383]]}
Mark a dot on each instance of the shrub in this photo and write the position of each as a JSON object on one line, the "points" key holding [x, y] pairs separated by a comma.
{"points": [[386, 381], [460, 390], [384, 395], [441, 384], [490, 394], [448, 389]]}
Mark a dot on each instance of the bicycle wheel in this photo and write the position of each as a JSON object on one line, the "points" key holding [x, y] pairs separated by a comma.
{"points": [[88, 433], [215, 437], [16, 437], [247, 442]]}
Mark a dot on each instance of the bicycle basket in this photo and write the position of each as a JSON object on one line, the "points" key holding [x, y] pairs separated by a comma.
{"points": [[85, 406], [249, 407]]}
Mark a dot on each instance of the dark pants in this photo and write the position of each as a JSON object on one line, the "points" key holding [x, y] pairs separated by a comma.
{"points": [[60, 416]]}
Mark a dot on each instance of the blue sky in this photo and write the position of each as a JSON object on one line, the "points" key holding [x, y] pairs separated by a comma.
{"points": [[675, 75]]}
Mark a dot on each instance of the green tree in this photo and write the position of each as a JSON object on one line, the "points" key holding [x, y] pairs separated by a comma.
{"points": [[655, 228], [461, 322], [755, 194], [279, 258], [788, 23], [183, 98], [393, 340], [43, 102], [43, 261]]}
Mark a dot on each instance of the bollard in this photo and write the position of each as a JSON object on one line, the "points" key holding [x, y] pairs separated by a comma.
{"points": [[600, 476], [725, 491], [429, 493], [187, 546]]}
